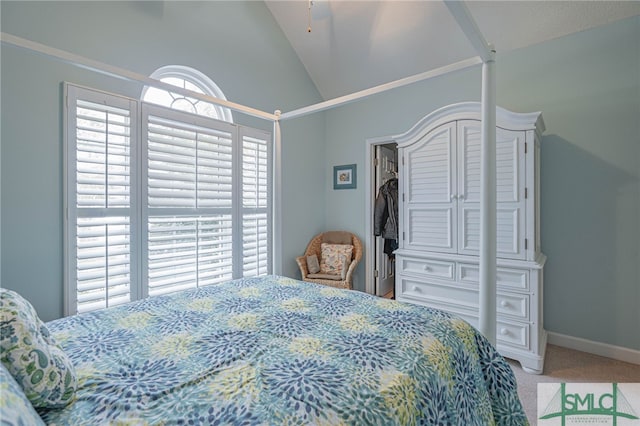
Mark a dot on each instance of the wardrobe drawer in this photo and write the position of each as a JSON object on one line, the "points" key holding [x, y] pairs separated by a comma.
{"points": [[515, 305], [513, 334], [427, 267], [438, 295], [509, 278]]}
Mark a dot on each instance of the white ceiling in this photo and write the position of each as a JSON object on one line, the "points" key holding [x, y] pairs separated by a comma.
{"points": [[355, 45]]}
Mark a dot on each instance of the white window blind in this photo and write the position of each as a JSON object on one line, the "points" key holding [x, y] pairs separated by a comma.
{"points": [[255, 203], [188, 251], [178, 202], [101, 199], [189, 191]]}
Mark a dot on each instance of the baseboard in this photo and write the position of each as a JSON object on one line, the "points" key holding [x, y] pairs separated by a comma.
{"points": [[597, 348]]}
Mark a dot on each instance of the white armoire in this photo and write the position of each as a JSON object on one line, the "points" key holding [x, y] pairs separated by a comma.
{"points": [[439, 220]]}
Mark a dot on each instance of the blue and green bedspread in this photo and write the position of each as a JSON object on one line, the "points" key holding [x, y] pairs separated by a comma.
{"points": [[278, 351]]}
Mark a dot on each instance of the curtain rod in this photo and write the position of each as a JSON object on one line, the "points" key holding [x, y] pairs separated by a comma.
{"points": [[124, 74], [342, 100], [457, 8], [468, 25]]}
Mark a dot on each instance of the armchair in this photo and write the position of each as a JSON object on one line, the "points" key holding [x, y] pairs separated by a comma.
{"points": [[315, 248]]}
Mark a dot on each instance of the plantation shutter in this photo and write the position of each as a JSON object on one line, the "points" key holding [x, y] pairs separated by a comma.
{"points": [[188, 199], [255, 202], [177, 202], [101, 200]]}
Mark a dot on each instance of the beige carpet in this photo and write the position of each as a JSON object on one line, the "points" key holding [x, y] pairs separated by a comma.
{"points": [[569, 366]]}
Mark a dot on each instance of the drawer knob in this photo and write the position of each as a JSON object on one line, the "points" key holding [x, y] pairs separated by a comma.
{"points": [[504, 331], [426, 268], [415, 288], [504, 303]]}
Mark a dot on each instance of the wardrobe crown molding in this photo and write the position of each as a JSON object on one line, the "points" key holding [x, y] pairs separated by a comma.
{"points": [[470, 111]]}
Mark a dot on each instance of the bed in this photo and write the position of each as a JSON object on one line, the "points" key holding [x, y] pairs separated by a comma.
{"points": [[273, 350]]}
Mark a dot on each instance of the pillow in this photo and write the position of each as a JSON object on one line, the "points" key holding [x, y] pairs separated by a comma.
{"points": [[312, 264], [331, 261], [31, 356], [15, 408]]}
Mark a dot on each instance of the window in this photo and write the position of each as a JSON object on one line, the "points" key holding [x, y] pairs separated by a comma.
{"points": [[190, 79], [160, 200]]}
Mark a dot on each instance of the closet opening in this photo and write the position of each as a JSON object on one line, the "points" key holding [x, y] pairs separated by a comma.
{"points": [[383, 211]]}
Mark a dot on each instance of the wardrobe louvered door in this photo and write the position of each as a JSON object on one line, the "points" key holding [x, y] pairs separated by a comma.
{"points": [[430, 185], [510, 193], [439, 258], [510, 190]]}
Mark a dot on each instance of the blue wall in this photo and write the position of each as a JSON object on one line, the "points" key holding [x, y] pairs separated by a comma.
{"points": [[237, 44], [587, 86]]}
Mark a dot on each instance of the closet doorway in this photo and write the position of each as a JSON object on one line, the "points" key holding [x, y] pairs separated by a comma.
{"points": [[383, 210]]}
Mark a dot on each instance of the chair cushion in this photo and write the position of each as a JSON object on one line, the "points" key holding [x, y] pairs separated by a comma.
{"points": [[312, 264], [31, 356], [331, 259], [337, 237], [331, 277]]}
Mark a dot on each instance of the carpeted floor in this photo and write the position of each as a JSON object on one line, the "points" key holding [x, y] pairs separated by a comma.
{"points": [[569, 366]]}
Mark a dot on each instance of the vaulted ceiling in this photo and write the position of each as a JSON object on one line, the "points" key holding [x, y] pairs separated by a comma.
{"points": [[355, 45]]}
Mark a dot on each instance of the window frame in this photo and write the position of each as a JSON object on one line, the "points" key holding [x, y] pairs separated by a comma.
{"points": [[196, 78], [71, 94], [139, 285], [147, 109]]}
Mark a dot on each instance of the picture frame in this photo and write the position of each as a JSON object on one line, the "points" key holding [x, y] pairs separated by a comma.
{"points": [[345, 177]]}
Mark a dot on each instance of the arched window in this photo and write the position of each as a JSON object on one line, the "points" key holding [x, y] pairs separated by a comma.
{"points": [[164, 194], [190, 79]]}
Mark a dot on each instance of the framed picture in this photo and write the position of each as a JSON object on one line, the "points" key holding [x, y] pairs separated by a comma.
{"points": [[344, 177]]}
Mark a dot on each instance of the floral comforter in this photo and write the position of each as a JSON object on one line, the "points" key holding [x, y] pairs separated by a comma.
{"points": [[277, 351]]}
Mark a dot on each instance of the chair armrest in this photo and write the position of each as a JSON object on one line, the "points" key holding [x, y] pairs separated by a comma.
{"points": [[302, 264], [350, 270]]}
